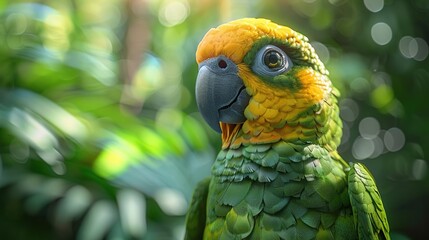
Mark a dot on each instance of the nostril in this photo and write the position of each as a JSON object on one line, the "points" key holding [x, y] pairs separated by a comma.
{"points": [[222, 64]]}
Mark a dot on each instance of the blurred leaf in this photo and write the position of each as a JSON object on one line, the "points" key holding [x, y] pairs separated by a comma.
{"points": [[73, 205], [98, 221], [132, 209]]}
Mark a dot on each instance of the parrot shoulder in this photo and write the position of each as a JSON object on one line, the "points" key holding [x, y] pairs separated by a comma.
{"points": [[369, 215], [196, 218]]}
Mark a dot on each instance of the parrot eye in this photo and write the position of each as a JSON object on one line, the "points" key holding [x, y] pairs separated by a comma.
{"points": [[271, 61]]}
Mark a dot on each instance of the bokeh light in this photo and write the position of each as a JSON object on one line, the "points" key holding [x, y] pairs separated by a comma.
{"points": [[381, 33], [171, 201], [374, 5], [408, 46], [369, 144], [415, 48], [394, 139], [349, 109], [132, 206], [32, 130], [369, 127], [374, 141], [322, 51], [419, 169], [173, 12], [363, 148], [423, 49]]}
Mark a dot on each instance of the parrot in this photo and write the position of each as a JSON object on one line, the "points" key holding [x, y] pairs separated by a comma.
{"points": [[278, 174]]}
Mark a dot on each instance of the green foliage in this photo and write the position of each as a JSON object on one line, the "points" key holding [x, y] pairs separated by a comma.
{"points": [[98, 126], [73, 157]]}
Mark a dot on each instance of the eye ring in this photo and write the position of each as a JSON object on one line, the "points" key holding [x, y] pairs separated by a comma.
{"points": [[271, 61]]}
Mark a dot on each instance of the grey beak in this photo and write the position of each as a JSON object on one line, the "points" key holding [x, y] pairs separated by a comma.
{"points": [[220, 93]]}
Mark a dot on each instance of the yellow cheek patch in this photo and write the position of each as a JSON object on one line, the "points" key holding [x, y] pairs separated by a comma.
{"points": [[277, 113]]}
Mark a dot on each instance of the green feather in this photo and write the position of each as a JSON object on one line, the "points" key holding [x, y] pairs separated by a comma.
{"points": [[249, 167], [274, 201], [267, 174], [233, 153], [326, 190], [235, 162], [239, 221], [369, 215], [257, 148], [235, 193], [312, 219], [254, 198], [270, 159], [293, 189], [270, 222], [284, 149], [195, 220], [327, 220], [324, 234], [304, 231], [313, 200]]}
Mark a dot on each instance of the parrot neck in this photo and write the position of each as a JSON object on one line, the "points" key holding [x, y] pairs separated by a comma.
{"points": [[318, 124]]}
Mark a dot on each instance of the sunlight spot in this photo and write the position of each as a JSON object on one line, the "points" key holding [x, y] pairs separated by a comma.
{"points": [[381, 33], [349, 109], [416, 48], [374, 5], [363, 148], [419, 169], [171, 201], [116, 157], [423, 51], [408, 47], [394, 139], [31, 130], [173, 13], [369, 127], [379, 147], [132, 210], [50, 156]]}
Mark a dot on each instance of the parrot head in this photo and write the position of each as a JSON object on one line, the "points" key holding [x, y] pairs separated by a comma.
{"points": [[261, 82]]}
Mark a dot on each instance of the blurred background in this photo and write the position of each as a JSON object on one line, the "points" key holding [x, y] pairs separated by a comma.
{"points": [[100, 137]]}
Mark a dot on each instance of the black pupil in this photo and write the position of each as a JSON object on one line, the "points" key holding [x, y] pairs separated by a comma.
{"points": [[273, 59]]}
